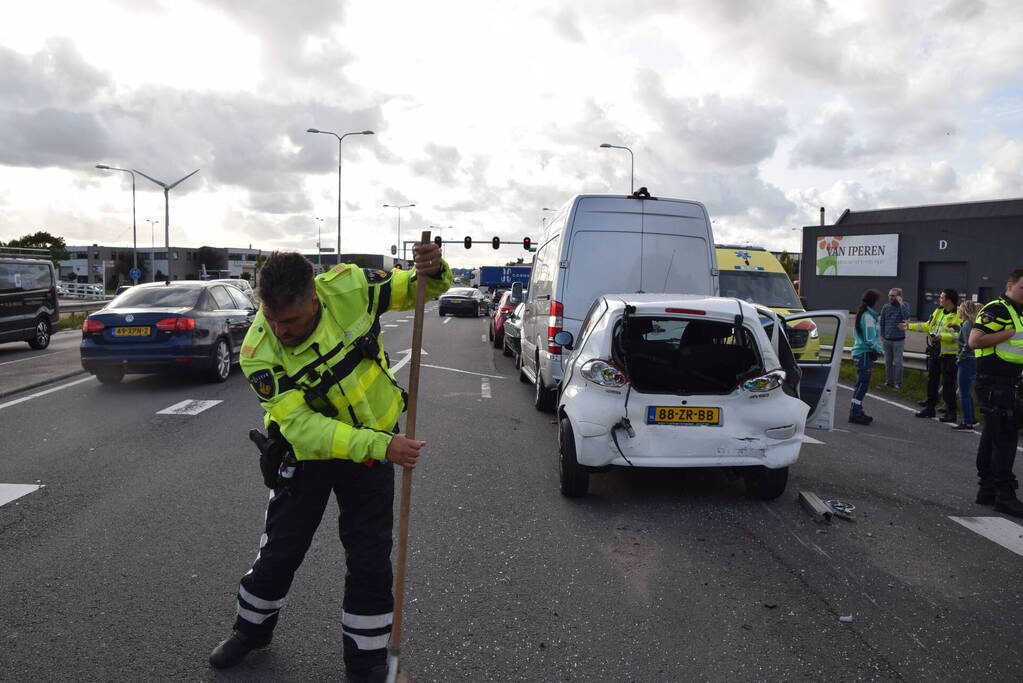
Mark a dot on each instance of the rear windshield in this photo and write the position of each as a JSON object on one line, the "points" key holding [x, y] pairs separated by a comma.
{"points": [[460, 291], [685, 356], [158, 297], [770, 289]]}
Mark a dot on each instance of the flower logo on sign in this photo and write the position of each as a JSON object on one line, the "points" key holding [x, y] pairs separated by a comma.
{"points": [[827, 254]]}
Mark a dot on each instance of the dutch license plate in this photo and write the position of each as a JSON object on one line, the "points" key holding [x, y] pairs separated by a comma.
{"points": [[456, 301], [692, 415], [131, 331]]}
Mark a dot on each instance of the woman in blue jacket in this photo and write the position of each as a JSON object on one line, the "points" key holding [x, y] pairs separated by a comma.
{"points": [[866, 349]]}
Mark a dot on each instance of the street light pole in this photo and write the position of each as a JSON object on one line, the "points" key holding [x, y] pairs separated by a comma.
{"points": [[440, 229], [339, 139], [399, 207], [152, 250], [134, 231], [166, 211], [319, 249], [632, 165]]}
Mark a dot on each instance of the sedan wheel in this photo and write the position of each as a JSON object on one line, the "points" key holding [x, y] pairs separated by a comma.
{"points": [[110, 375], [220, 362], [765, 483], [41, 338], [506, 350]]}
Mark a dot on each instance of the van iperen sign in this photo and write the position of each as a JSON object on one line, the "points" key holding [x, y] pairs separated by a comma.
{"points": [[858, 255]]}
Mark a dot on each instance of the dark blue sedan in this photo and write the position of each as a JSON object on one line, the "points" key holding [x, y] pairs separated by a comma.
{"points": [[159, 327]]}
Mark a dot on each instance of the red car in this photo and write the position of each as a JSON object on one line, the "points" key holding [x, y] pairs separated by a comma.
{"points": [[500, 313]]}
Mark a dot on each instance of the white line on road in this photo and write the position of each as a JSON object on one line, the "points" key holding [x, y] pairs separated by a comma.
{"points": [[8, 362], [810, 439], [390, 325], [464, 372], [446, 321], [484, 338], [188, 407], [1007, 534], [9, 492], [485, 387], [43, 393]]}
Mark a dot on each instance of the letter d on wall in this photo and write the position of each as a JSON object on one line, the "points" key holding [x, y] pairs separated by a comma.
{"points": [[942, 244]]}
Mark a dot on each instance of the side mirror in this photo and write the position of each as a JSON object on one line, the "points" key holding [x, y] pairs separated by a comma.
{"points": [[564, 339]]}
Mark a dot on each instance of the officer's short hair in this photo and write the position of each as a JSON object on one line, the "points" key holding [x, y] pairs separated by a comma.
{"points": [[951, 296], [1015, 275], [285, 279]]}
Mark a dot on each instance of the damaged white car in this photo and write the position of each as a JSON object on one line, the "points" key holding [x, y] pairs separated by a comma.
{"points": [[665, 380]]}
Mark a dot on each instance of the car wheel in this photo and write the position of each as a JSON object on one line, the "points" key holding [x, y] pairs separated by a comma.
{"points": [[505, 349], [522, 373], [110, 375], [498, 340], [575, 479], [490, 332], [440, 313], [765, 483], [41, 337], [543, 398], [220, 362]]}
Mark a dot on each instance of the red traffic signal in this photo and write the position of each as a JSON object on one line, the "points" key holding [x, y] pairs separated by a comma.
{"points": [[526, 242], [438, 241], [468, 242], [397, 266], [496, 243]]}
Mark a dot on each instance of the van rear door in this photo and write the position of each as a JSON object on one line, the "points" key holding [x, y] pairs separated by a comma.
{"points": [[678, 249]]}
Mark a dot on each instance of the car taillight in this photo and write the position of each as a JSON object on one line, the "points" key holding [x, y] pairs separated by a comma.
{"points": [[604, 373], [90, 326], [767, 382], [175, 324], [554, 325]]}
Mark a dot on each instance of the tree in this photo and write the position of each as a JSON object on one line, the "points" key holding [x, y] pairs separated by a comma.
{"points": [[789, 264], [44, 240]]}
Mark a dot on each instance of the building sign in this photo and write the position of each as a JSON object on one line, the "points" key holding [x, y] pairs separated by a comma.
{"points": [[863, 255]]}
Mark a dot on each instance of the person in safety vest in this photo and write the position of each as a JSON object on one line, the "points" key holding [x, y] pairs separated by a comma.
{"points": [[314, 358], [997, 336], [942, 330]]}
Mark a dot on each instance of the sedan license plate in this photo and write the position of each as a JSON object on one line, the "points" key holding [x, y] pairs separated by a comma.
{"points": [[691, 415], [131, 331], [455, 301]]}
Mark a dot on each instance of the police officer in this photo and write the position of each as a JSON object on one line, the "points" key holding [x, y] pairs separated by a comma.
{"points": [[313, 356], [942, 330], [997, 336]]}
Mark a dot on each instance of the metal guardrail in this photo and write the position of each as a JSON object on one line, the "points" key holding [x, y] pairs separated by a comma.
{"points": [[72, 307], [79, 290]]}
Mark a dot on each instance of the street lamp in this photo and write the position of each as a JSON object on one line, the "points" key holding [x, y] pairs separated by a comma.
{"points": [[440, 229], [339, 139], [134, 233], [152, 250], [399, 207], [166, 211], [632, 182], [319, 251]]}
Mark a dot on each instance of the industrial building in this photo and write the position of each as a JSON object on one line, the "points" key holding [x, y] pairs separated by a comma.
{"points": [[970, 247]]}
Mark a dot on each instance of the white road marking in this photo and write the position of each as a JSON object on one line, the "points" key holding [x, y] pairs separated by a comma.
{"points": [[1007, 534], [188, 407], [810, 439], [390, 325], [43, 393], [485, 387], [484, 338], [408, 356], [8, 362], [464, 372], [446, 321], [9, 492]]}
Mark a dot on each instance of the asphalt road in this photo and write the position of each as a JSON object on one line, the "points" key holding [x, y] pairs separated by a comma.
{"points": [[124, 564]]}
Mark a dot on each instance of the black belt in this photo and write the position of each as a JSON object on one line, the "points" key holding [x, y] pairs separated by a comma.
{"points": [[894, 339]]}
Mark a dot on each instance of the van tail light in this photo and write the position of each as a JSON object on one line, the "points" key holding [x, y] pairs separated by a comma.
{"points": [[603, 372], [91, 326], [175, 324], [766, 382], [554, 325]]}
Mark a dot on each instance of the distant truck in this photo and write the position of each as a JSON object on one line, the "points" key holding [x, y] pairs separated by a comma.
{"points": [[501, 276]]}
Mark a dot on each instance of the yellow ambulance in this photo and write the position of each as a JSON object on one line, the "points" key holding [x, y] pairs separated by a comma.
{"points": [[754, 274]]}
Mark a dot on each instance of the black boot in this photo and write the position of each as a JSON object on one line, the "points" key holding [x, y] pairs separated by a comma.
{"points": [[926, 412], [985, 497], [859, 419], [234, 649], [1009, 504], [378, 674]]}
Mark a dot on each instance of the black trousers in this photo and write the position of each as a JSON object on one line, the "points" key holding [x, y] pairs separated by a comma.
{"points": [[364, 497], [996, 453], [942, 371]]}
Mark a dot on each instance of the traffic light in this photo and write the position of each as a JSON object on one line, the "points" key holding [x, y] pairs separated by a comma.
{"points": [[468, 242], [526, 242], [438, 241], [397, 266], [496, 243]]}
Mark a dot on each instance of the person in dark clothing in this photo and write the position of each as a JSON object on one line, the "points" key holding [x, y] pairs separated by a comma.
{"points": [[942, 330], [893, 337], [997, 336]]}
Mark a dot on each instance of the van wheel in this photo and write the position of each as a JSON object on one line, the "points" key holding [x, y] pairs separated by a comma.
{"points": [[110, 375], [575, 479], [41, 336], [765, 483], [220, 362], [543, 398]]}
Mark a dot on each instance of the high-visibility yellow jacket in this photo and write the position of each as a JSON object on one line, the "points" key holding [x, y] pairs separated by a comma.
{"points": [[945, 326], [1010, 350], [329, 399]]}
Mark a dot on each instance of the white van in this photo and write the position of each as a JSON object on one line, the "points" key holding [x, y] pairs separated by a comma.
{"points": [[598, 244]]}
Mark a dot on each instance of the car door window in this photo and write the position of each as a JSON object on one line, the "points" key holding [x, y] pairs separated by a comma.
{"points": [[241, 301], [222, 299]]}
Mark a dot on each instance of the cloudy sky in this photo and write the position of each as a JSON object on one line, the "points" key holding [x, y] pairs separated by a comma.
{"points": [[487, 112]]}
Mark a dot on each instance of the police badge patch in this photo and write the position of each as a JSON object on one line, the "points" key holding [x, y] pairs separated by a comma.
{"points": [[986, 318], [373, 276], [264, 384]]}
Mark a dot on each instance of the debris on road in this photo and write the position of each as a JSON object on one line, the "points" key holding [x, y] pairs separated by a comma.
{"points": [[841, 509], [846, 620], [812, 503]]}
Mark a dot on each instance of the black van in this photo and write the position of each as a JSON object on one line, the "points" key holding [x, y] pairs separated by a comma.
{"points": [[28, 300]]}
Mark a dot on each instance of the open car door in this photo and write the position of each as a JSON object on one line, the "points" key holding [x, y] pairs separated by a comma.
{"points": [[817, 339]]}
